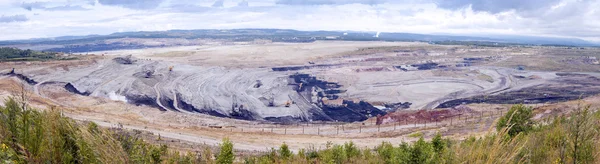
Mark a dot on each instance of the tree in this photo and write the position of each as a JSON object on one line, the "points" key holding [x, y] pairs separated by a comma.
{"points": [[438, 143], [517, 120], [421, 152], [284, 151], [351, 150], [226, 154], [581, 133]]}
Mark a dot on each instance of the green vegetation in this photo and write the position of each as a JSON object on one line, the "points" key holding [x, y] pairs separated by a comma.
{"points": [[15, 54], [418, 134], [563, 139], [226, 155], [30, 136], [517, 120]]}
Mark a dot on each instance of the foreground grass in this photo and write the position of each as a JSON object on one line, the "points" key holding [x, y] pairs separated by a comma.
{"points": [[563, 139], [31, 136]]}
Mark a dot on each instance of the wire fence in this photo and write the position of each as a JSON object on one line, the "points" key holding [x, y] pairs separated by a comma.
{"points": [[340, 129]]}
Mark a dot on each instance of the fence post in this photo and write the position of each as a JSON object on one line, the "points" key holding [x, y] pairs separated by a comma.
{"points": [[302, 129], [337, 129], [359, 128], [415, 123], [395, 125], [318, 130], [451, 120], [378, 126], [285, 131], [271, 129]]}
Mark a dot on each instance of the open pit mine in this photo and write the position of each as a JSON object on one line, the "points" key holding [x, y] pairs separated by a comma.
{"points": [[322, 81]]}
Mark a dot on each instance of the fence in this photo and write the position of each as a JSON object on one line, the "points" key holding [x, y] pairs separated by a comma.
{"points": [[340, 129]]}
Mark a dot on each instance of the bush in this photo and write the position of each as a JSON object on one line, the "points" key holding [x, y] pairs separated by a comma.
{"points": [[517, 120], [351, 150], [226, 155], [285, 152], [421, 152], [29, 136]]}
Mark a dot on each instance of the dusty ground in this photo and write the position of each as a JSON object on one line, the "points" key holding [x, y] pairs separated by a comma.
{"points": [[193, 132], [381, 73]]}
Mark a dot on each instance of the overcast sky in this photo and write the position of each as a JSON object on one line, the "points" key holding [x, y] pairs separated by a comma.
{"points": [[560, 18]]}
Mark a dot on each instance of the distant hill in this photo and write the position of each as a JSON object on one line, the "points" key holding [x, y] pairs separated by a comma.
{"points": [[99, 42]]}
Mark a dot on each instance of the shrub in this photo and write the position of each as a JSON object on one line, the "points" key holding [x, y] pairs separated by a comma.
{"points": [[351, 150], [386, 152], [517, 120], [421, 152], [226, 155], [284, 151]]}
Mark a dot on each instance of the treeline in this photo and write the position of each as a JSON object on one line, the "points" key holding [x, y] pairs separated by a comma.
{"points": [[15, 54], [31, 136]]}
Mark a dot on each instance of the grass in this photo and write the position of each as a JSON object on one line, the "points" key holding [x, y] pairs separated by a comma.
{"points": [[31, 136], [418, 134]]}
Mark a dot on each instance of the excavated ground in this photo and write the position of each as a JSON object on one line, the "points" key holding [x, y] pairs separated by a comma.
{"points": [[323, 83]]}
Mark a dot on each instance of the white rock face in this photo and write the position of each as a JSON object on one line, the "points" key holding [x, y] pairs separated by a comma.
{"points": [[214, 90]]}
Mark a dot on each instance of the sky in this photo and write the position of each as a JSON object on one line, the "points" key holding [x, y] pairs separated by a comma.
{"points": [[24, 19]]}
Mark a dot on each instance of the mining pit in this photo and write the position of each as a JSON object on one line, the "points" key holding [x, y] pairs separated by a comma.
{"points": [[320, 81]]}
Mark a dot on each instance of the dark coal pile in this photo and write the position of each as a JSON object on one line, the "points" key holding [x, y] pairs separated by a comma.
{"points": [[143, 100], [400, 105], [351, 111], [565, 88], [125, 60], [284, 120], [69, 87], [347, 111], [426, 66], [296, 68], [22, 77]]}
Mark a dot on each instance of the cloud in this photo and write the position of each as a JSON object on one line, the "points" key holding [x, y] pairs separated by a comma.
{"points": [[54, 6], [14, 18], [32, 5], [496, 6], [564, 18], [219, 3], [188, 8], [243, 3], [132, 4], [66, 8], [328, 2]]}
